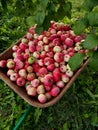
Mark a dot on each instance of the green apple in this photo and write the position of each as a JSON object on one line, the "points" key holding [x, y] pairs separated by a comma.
{"points": [[31, 60]]}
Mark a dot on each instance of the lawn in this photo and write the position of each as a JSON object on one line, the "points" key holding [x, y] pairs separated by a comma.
{"points": [[77, 109]]}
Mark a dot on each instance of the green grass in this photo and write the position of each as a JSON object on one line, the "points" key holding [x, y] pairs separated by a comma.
{"points": [[78, 108]]}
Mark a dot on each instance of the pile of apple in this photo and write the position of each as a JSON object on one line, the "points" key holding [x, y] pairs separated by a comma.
{"points": [[39, 63]]}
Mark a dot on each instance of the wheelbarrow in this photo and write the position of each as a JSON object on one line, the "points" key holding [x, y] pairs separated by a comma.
{"points": [[22, 92]]}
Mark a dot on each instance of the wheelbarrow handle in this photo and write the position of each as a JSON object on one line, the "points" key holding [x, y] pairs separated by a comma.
{"points": [[22, 118]]}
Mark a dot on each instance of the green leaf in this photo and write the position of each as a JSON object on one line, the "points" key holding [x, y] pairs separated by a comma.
{"points": [[89, 4], [39, 17], [31, 21], [67, 8], [93, 62], [79, 26], [43, 3], [63, 10], [76, 61], [93, 18], [52, 7], [90, 42]]}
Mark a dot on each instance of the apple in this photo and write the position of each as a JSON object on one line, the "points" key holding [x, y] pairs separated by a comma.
{"points": [[51, 67], [52, 31], [29, 36], [78, 48], [36, 54], [42, 54], [31, 91], [57, 49], [60, 84], [10, 64], [14, 54], [42, 71], [63, 68], [45, 40], [28, 85], [14, 76], [9, 72], [24, 40], [18, 64], [32, 47], [29, 69], [40, 38], [42, 98], [48, 95], [48, 61], [40, 43], [65, 78], [59, 33], [32, 29], [64, 36], [30, 76], [56, 42], [20, 56], [57, 75], [40, 47], [78, 39], [55, 91], [36, 67], [66, 57], [58, 57], [3, 63], [40, 62], [53, 37], [46, 48], [40, 89], [69, 73], [26, 56], [23, 46], [35, 82], [50, 54], [69, 42], [15, 48], [31, 60], [35, 36], [20, 81], [48, 80], [22, 73]]}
